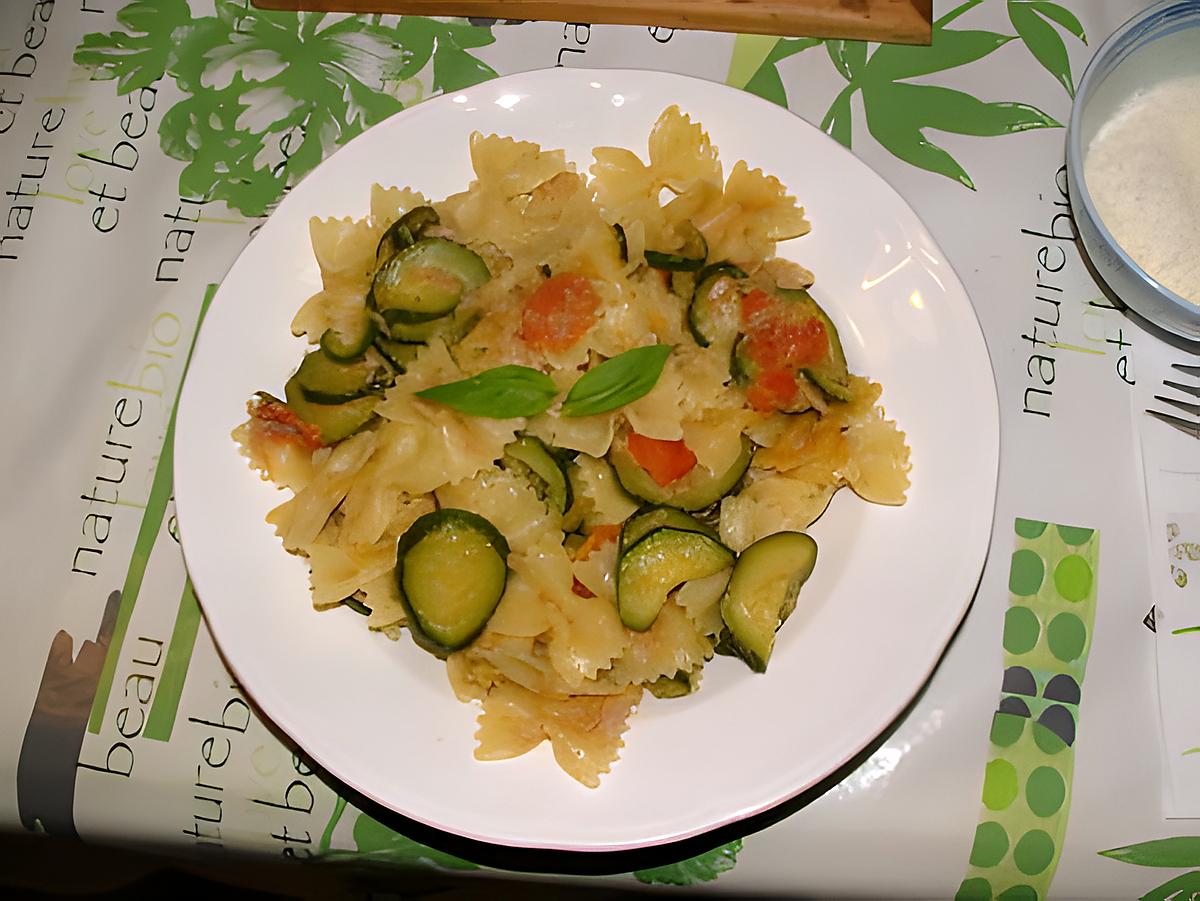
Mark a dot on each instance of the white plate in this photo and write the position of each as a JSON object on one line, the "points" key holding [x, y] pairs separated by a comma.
{"points": [[890, 587]]}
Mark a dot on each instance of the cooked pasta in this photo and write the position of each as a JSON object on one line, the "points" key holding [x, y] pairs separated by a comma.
{"points": [[544, 424]]}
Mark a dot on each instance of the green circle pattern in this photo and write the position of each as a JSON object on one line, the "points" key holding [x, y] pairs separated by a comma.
{"points": [[999, 784], [1021, 630], [1034, 852], [1074, 536], [1045, 791], [976, 889], [1030, 528], [1073, 578], [1066, 635], [1048, 742], [1026, 573], [1018, 893], [990, 846], [1006, 728]]}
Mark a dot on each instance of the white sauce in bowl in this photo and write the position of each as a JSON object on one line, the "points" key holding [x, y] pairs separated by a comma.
{"points": [[1143, 171]]}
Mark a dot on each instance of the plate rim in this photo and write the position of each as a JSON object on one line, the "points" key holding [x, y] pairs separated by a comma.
{"points": [[945, 637]]}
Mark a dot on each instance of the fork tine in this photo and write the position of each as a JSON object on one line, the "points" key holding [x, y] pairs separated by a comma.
{"points": [[1188, 370], [1188, 428], [1183, 405], [1193, 390]]}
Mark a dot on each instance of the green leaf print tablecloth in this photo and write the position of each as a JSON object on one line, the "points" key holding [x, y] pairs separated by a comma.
{"points": [[141, 146]]}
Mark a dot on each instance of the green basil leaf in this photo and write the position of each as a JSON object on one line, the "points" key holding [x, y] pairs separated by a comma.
{"points": [[505, 392], [617, 382]]}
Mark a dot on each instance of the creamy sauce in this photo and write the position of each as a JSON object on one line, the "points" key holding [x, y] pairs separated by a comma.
{"points": [[1143, 172]]}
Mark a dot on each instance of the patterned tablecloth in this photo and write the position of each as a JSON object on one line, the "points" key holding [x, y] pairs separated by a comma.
{"points": [[141, 146]]}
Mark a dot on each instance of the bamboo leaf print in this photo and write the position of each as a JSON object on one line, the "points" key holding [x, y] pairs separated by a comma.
{"points": [[1043, 41], [838, 120], [1181, 888], [269, 94], [848, 57], [1062, 16], [950, 49], [944, 109], [139, 57], [894, 128], [1182, 851], [766, 82]]}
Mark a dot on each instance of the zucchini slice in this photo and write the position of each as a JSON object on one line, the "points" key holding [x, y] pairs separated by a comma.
{"points": [[530, 457], [831, 375], [714, 315], [598, 496], [762, 593], [398, 353], [451, 568], [694, 491], [650, 518], [689, 258], [680, 685], [452, 328], [426, 280], [349, 345], [659, 563], [336, 421], [326, 381], [405, 231], [622, 243]]}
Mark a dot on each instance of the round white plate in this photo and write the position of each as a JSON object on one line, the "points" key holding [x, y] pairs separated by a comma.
{"points": [[890, 586]]}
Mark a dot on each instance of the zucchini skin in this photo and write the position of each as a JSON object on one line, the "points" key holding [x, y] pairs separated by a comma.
{"points": [[533, 454], [700, 314], [654, 516], [683, 493], [657, 564], [421, 529], [779, 563]]}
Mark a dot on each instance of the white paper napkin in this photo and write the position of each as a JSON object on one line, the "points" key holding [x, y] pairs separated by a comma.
{"points": [[1171, 466]]}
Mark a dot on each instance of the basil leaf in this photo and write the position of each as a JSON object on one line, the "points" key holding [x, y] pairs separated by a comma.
{"points": [[505, 392], [617, 382]]}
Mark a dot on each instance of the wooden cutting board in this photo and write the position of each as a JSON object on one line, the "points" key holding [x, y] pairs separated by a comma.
{"points": [[891, 21]]}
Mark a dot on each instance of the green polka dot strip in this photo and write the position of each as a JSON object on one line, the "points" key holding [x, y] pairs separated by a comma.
{"points": [[1027, 779]]}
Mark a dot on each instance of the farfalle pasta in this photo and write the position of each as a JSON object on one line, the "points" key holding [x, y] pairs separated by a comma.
{"points": [[566, 429]]}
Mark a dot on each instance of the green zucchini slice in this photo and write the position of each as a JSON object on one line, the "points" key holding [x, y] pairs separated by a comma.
{"points": [[452, 328], [762, 593], [658, 564], [405, 231], [336, 421], [831, 375], [689, 258], [714, 314], [398, 353], [680, 685], [650, 518], [694, 491], [451, 568], [349, 345], [326, 381], [530, 457], [622, 243], [426, 280], [598, 496]]}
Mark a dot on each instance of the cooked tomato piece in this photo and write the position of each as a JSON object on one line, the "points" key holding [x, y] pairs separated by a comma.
{"points": [[282, 424], [665, 461], [773, 389], [559, 312]]}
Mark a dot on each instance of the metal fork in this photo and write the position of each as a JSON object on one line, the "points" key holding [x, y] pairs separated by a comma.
{"points": [[1187, 426]]}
